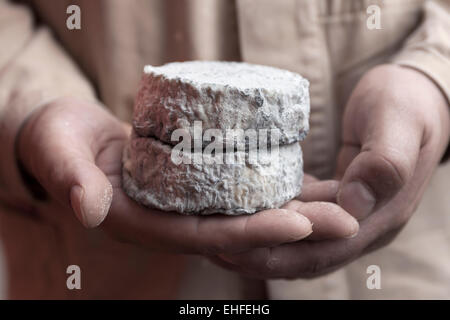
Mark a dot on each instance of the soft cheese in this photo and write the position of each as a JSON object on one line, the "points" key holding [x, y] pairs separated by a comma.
{"points": [[152, 178], [222, 95], [219, 96]]}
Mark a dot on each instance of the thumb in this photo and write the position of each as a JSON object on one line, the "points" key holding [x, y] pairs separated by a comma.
{"points": [[389, 148], [58, 147], [90, 194]]}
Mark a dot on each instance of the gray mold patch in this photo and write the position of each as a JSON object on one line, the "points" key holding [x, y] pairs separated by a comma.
{"points": [[223, 95]]}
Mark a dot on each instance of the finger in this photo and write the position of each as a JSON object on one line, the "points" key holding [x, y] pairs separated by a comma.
{"points": [[328, 219], [319, 191], [346, 155], [297, 260], [306, 259], [390, 140], [204, 234], [308, 178], [303, 259], [59, 147]]}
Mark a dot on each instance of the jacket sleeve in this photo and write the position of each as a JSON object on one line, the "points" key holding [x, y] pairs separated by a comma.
{"points": [[33, 69], [428, 47]]}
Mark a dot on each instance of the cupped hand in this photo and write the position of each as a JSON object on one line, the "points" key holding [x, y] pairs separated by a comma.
{"points": [[395, 131], [73, 148]]}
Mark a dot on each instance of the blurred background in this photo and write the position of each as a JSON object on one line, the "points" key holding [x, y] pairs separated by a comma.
{"points": [[2, 275], [416, 265]]}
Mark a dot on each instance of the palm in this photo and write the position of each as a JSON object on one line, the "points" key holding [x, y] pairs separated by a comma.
{"points": [[149, 228]]}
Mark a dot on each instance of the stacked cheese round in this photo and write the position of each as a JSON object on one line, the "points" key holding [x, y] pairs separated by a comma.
{"points": [[222, 97]]}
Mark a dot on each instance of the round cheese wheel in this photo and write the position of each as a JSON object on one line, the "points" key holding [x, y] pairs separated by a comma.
{"points": [[238, 185], [222, 95]]}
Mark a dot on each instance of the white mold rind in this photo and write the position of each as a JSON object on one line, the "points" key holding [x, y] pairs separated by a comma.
{"points": [[223, 95], [151, 178]]}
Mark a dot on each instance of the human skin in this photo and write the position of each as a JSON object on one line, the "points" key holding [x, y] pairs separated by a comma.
{"points": [[396, 128], [73, 148], [395, 131]]}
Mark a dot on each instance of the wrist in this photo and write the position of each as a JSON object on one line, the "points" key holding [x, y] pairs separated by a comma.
{"points": [[22, 154], [434, 74], [436, 108]]}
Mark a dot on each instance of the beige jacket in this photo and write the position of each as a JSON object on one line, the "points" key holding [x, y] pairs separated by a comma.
{"points": [[328, 42]]}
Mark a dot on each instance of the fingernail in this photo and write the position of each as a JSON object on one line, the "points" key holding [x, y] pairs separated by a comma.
{"points": [[355, 230], [357, 200], [91, 215], [76, 198], [297, 226]]}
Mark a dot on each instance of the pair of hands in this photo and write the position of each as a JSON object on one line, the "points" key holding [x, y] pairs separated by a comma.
{"points": [[395, 130]]}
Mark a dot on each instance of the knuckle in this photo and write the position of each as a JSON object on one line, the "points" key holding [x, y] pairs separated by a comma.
{"points": [[386, 172], [396, 165], [272, 262], [316, 267], [266, 268]]}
